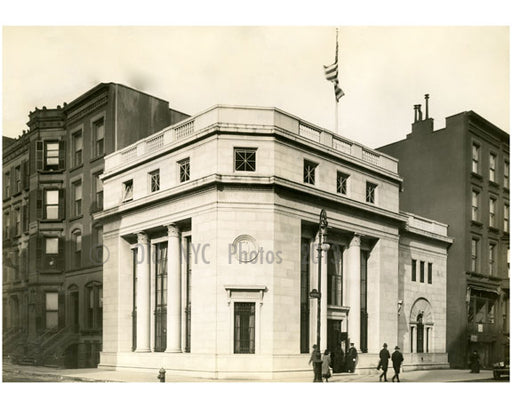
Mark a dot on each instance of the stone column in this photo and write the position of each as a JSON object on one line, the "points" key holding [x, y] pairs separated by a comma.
{"points": [[354, 290], [173, 290], [143, 298]]}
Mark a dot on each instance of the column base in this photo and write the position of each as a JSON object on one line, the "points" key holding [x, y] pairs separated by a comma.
{"points": [[177, 350], [143, 350]]}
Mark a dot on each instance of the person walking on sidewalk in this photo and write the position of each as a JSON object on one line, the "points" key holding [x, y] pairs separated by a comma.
{"points": [[474, 362], [397, 359], [326, 365], [316, 359], [383, 362], [352, 358]]}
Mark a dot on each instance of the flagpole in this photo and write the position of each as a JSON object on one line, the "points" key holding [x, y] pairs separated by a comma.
{"points": [[335, 97]]}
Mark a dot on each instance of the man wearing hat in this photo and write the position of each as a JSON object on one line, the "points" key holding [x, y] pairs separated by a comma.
{"points": [[397, 359], [316, 359], [383, 363]]}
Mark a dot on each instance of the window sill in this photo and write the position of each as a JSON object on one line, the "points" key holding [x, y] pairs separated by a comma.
{"points": [[79, 166], [476, 223], [50, 171], [476, 175], [97, 158], [494, 230], [75, 217], [494, 184]]}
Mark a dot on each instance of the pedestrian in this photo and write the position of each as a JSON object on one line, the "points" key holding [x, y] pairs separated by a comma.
{"points": [[474, 362], [316, 359], [326, 365], [397, 359], [383, 362], [352, 358]]}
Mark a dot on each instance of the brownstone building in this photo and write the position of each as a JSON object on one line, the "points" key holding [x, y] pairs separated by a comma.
{"points": [[459, 175], [52, 249]]}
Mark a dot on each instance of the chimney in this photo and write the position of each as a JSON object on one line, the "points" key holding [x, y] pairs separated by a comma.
{"points": [[416, 107], [420, 126], [426, 105], [420, 115]]}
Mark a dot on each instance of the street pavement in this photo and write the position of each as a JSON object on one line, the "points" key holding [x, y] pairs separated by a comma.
{"points": [[19, 373]]}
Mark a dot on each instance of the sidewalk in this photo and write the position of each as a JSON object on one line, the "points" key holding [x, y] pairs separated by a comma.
{"points": [[31, 373]]}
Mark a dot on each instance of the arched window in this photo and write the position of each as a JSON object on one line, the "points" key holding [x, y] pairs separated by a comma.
{"points": [[94, 305], [421, 326], [74, 308]]}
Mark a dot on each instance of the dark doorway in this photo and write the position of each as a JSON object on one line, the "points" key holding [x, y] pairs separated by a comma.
{"points": [[419, 334], [71, 356], [74, 312]]}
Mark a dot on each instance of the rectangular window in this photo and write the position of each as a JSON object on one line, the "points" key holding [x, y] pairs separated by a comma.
{"points": [[475, 255], [370, 192], [304, 295], [99, 137], [51, 245], [341, 183], [492, 212], [154, 181], [245, 159], [309, 172], [413, 270], [492, 167], [475, 204], [52, 310], [17, 221], [184, 166], [506, 169], [335, 276], [161, 296], [506, 215], [429, 277], [128, 190], [52, 204], [244, 330], [51, 155], [98, 191], [77, 242], [17, 179], [7, 184], [7, 225], [422, 271], [492, 259], [476, 159], [77, 198], [78, 148], [364, 301]]}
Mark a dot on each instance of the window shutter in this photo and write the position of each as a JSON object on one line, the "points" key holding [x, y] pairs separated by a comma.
{"points": [[39, 155], [61, 257], [62, 155], [40, 214], [25, 180], [62, 204], [13, 182], [62, 312], [40, 256], [25, 218]]}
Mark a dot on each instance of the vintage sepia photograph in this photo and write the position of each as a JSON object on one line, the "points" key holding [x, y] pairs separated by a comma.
{"points": [[256, 203]]}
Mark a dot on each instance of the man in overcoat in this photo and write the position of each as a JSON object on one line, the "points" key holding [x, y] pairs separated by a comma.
{"points": [[383, 362], [397, 359]]}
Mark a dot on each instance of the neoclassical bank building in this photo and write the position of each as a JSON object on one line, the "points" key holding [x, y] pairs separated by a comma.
{"points": [[212, 240]]}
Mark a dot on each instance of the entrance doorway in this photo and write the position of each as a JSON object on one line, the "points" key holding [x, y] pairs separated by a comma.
{"points": [[73, 300], [336, 344]]}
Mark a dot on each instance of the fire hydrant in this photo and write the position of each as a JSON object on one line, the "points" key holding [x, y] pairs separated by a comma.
{"points": [[161, 375]]}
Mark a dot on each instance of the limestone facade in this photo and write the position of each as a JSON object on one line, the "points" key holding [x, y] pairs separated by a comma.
{"points": [[212, 233]]}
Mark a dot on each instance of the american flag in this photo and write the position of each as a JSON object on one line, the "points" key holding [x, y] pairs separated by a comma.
{"points": [[331, 74]]}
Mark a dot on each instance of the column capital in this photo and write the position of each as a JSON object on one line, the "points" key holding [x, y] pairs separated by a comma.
{"points": [[356, 240], [142, 238], [173, 231]]}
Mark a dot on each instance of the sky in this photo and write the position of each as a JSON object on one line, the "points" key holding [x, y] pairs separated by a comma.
{"points": [[384, 71]]}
